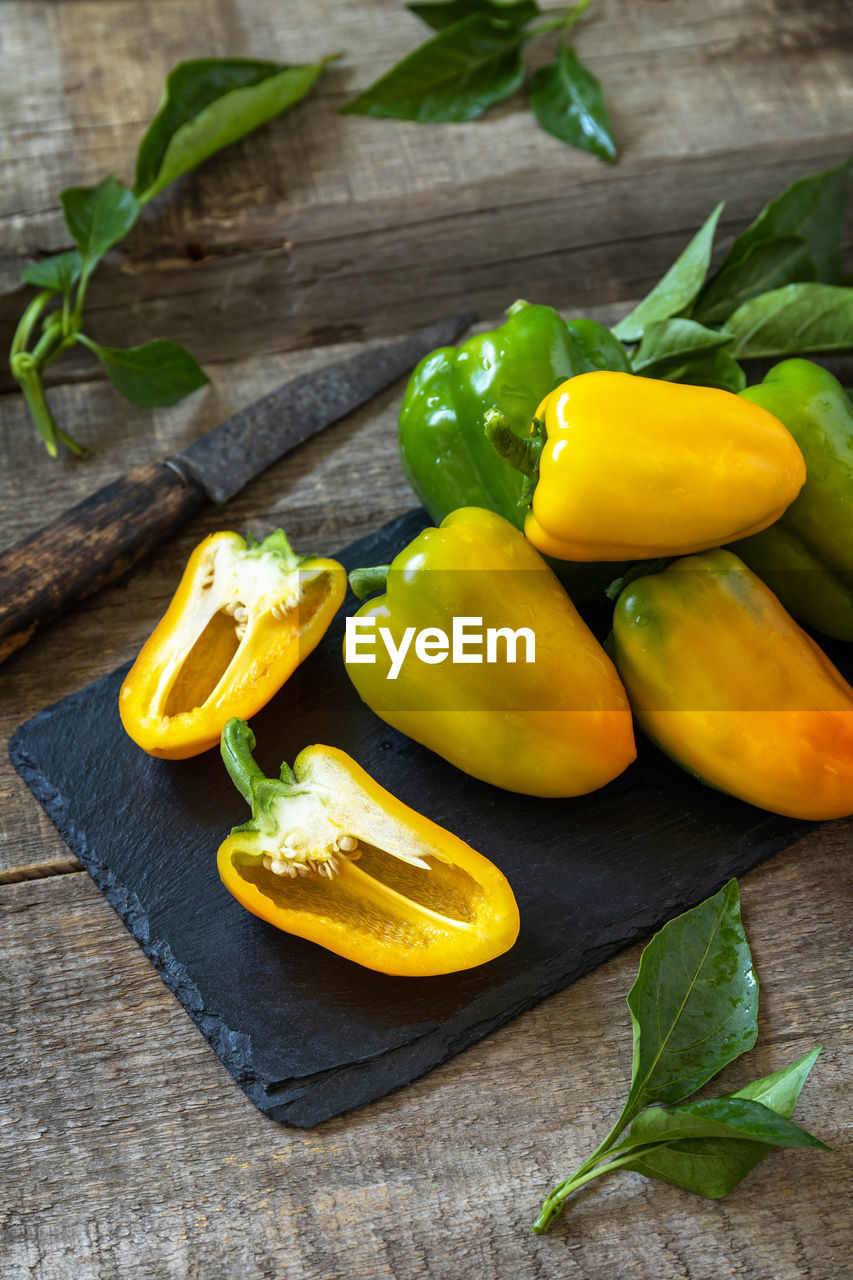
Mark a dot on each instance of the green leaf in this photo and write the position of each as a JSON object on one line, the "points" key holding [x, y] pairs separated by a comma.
{"points": [[706, 369], [59, 272], [207, 104], [456, 76], [676, 290], [665, 341], [766, 265], [740, 1119], [812, 209], [694, 1002], [794, 319], [98, 217], [567, 101], [713, 1167], [694, 1007], [157, 373], [438, 16], [780, 1090]]}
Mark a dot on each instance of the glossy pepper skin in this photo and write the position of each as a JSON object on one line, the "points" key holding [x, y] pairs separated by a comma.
{"points": [[331, 856], [630, 468], [242, 619], [443, 452], [559, 726], [723, 679], [806, 557]]}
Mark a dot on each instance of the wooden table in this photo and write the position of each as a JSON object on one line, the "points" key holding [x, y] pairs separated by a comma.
{"points": [[127, 1148]]}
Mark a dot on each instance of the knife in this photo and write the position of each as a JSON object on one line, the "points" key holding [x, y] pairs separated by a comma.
{"points": [[102, 537]]}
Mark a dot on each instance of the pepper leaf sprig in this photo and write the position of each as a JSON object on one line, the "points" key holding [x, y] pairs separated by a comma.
{"points": [[694, 1008], [207, 104], [473, 61]]}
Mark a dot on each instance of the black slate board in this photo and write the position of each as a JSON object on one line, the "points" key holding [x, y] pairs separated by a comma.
{"points": [[308, 1034]]}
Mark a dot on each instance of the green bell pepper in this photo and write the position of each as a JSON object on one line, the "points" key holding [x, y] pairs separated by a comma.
{"points": [[806, 557], [444, 452]]}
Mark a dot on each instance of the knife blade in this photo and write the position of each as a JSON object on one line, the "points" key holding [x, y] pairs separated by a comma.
{"points": [[99, 539]]}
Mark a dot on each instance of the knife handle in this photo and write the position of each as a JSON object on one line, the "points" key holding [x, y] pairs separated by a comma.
{"points": [[88, 546]]}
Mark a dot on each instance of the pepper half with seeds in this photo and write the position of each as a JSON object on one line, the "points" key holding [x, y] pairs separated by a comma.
{"points": [[244, 616], [331, 856]]}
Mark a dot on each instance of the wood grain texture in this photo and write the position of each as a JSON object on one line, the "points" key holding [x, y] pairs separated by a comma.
{"points": [[323, 227], [150, 1162], [125, 1147]]}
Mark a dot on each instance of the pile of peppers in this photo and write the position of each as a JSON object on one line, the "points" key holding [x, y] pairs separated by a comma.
{"points": [[748, 498], [551, 471]]}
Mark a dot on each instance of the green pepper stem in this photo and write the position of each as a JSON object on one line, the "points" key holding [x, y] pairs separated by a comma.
{"points": [[276, 544], [237, 745], [642, 569], [523, 454], [517, 306], [367, 582]]}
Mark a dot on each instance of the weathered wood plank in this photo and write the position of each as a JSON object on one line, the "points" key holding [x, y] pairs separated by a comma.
{"points": [[324, 227], [126, 1148], [132, 1152]]}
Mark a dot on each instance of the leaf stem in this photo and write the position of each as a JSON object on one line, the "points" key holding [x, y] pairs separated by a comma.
{"points": [[554, 1201], [79, 450], [25, 371], [48, 339], [82, 285], [28, 375], [563, 23], [576, 13], [554, 1204], [63, 346], [28, 321]]}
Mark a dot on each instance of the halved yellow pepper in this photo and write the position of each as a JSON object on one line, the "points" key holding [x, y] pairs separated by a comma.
{"points": [[333, 857], [629, 468], [244, 616]]}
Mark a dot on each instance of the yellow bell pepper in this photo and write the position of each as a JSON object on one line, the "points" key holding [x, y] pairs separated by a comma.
{"points": [[628, 468], [242, 619], [333, 857], [727, 684], [557, 726]]}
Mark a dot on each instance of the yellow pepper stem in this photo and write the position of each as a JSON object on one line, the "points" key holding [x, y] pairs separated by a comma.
{"points": [[238, 743], [368, 582], [523, 454]]}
